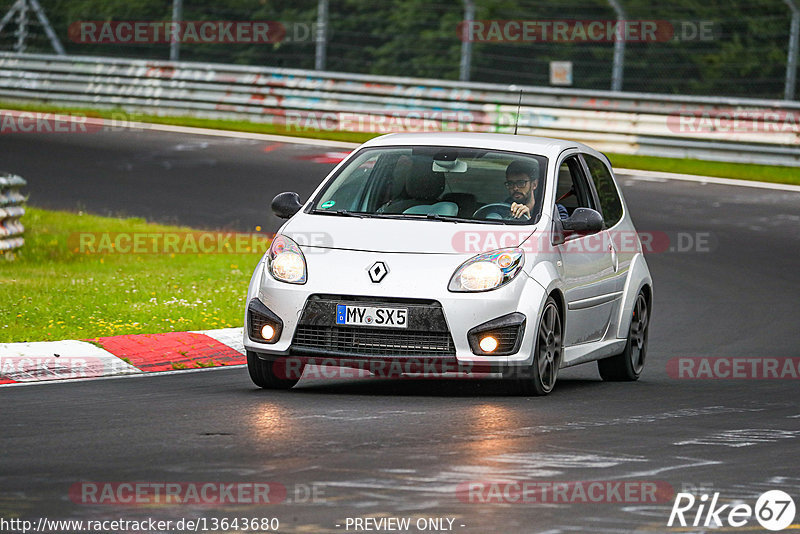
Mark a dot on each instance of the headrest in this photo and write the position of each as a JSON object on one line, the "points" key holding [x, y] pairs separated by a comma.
{"points": [[423, 183], [400, 173]]}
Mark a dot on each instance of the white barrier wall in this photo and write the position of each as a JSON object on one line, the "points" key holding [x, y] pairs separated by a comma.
{"points": [[713, 128]]}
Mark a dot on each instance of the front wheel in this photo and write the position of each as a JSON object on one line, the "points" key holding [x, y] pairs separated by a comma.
{"points": [[628, 365], [540, 377], [270, 374]]}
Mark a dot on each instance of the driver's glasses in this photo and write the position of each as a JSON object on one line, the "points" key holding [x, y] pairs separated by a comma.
{"points": [[517, 184]]}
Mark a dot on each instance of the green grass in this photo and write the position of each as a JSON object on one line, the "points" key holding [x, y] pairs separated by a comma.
{"points": [[742, 171], [209, 363], [52, 291]]}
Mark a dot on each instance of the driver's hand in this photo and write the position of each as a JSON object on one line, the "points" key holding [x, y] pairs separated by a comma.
{"points": [[520, 210]]}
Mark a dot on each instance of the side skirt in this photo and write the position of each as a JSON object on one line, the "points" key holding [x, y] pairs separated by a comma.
{"points": [[587, 352]]}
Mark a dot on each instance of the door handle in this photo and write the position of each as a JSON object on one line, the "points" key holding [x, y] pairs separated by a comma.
{"points": [[614, 258]]}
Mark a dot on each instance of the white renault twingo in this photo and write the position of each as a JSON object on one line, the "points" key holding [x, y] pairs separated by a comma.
{"points": [[454, 253]]}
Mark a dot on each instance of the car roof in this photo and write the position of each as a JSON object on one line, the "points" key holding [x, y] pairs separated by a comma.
{"points": [[544, 146]]}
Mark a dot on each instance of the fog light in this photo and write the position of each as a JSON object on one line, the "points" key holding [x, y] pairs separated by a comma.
{"points": [[267, 331], [488, 344]]}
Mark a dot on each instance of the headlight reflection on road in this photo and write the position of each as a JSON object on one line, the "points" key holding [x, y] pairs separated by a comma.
{"points": [[269, 423], [491, 425]]}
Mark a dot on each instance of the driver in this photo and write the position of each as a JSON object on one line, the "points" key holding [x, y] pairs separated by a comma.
{"points": [[522, 179]]}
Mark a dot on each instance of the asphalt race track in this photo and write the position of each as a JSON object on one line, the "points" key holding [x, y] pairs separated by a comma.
{"points": [[400, 448]]}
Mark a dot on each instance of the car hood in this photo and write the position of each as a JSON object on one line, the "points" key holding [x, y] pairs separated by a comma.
{"points": [[402, 236]]}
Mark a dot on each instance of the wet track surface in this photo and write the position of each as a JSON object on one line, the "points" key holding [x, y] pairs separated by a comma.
{"points": [[402, 447]]}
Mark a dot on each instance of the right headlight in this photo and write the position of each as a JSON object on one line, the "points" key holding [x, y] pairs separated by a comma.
{"points": [[286, 262], [488, 271]]}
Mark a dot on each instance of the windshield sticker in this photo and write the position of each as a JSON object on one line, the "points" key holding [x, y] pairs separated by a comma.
{"points": [[327, 204]]}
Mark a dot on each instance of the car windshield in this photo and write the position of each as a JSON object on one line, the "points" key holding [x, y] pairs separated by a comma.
{"points": [[437, 183]]}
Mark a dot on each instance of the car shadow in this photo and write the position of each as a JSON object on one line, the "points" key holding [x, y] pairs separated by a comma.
{"points": [[440, 387]]}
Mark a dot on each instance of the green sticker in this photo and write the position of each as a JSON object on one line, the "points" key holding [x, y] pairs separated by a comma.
{"points": [[327, 204]]}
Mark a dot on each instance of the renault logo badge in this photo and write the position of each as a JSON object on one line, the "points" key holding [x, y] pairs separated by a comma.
{"points": [[378, 272]]}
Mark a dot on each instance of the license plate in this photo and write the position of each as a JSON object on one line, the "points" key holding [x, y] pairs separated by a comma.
{"points": [[372, 316]]}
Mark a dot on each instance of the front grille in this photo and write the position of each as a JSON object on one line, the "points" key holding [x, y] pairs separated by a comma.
{"points": [[427, 335], [365, 341]]}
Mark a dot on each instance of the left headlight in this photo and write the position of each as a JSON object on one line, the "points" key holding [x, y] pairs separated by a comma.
{"points": [[285, 261], [488, 271]]}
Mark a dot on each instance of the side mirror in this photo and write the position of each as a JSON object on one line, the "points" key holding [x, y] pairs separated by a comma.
{"points": [[286, 204], [583, 221]]}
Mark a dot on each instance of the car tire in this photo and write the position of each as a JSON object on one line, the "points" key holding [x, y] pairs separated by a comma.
{"points": [[627, 366], [271, 374], [540, 377]]}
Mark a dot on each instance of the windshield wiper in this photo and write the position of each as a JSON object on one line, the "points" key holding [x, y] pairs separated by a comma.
{"points": [[348, 213], [417, 216], [453, 218], [385, 215], [445, 218], [409, 216], [343, 213]]}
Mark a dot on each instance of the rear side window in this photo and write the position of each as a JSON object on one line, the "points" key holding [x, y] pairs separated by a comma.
{"points": [[573, 190], [610, 202]]}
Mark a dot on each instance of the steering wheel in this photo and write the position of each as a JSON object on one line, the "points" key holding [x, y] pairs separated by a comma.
{"points": [[500, 210]]}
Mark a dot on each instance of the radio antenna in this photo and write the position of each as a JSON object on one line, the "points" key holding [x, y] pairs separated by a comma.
{"points": [[519, 107]]}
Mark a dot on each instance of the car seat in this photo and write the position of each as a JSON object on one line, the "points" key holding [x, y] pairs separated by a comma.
{"points": [[425, 186]]}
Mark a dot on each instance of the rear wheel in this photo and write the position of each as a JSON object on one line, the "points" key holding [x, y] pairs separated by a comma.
{"points": [[628, 365], [540, 377], [269, 374]]}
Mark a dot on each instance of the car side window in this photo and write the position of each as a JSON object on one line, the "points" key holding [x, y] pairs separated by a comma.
{"points": [[573, 190], [606, 190]]}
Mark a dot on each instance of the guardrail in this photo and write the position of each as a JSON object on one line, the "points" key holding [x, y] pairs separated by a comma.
{"points": [[713, 128], [11, 200]]}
